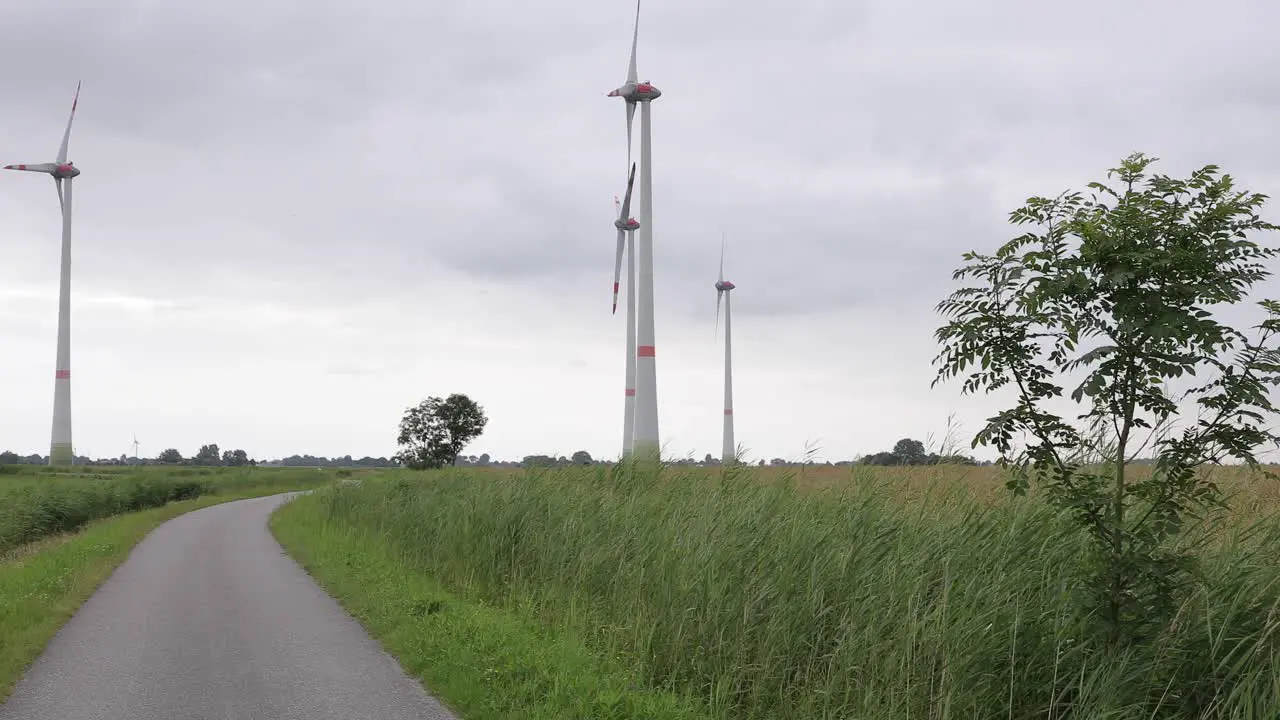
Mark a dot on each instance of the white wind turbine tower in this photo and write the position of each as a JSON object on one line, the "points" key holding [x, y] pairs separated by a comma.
{"points": [[728, 449], [645, 441], [60, 452], [135, 446], [627, 226]]}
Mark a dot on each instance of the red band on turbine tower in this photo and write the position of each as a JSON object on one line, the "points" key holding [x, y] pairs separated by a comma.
{"points": [[728, 411], [645, 351], [631, 392], [62, 375]]}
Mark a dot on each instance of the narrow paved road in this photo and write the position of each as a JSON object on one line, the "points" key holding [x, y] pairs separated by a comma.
{"points": [[208, 619]]}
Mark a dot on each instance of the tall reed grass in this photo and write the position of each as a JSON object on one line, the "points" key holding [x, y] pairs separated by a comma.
{"points": [[765, 600]]}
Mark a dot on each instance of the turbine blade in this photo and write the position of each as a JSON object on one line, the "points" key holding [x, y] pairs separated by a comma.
{"points": [[635, 40], [57, 182], [721, 256], [617, 266], [66, 136], [626, 201], [34, 167], [631, 114]]}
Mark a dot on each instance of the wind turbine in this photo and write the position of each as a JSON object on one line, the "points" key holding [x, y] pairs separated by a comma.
{"points": [[627, 226], [723, 287], [135, 447], [60, 452], [646, 405]]}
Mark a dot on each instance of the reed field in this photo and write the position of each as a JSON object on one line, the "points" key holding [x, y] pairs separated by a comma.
{"points": [[39, 501], [815, 592]]}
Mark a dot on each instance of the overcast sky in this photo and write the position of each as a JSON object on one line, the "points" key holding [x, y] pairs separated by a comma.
{"points": [[298, 218]]}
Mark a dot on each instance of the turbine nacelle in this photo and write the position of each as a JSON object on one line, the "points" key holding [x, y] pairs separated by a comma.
{"points": [[628, 225], [61, 171], [724, 286], [637, 92]]}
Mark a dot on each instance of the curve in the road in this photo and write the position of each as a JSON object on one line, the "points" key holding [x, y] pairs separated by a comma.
{"points": [[208, 618]]}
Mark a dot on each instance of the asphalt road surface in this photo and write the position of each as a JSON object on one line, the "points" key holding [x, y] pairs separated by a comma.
{"points": [[208, 619]]}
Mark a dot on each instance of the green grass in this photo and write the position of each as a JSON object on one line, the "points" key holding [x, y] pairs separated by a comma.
{"points": [[43, 583], [484, 662], [756, 599]]}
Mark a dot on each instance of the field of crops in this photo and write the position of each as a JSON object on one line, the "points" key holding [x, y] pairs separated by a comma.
{"points": [[36, 502], [831, 592]]}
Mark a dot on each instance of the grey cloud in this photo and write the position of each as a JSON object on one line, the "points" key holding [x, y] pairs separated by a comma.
{"points": [[323, 155], [338, 54], [323, 141], [352, 371]]}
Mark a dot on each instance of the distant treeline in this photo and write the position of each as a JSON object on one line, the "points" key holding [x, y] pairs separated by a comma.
{"points": [[905, 452], [209, 456], [912, 452]]}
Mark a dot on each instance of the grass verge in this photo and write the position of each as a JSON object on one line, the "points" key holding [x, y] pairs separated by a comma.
{"points": [[43, 583], [485, 662]]}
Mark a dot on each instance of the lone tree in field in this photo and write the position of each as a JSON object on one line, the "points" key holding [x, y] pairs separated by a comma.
{"points": [[435, 431], [235, 458], [911, 451], [208, 455], [170, 456], [1116, 290]]}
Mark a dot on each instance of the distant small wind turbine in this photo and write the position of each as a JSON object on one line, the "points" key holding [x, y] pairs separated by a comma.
{"points": [[60, 451], [135, 446], [722, 291], [627, 226]]}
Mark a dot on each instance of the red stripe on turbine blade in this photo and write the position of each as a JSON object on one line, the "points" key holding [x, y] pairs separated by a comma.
{"points": [[645, 351], [62, 375], [631, 392], [728, 411]]}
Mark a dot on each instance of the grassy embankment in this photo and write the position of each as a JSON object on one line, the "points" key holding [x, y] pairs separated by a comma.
{"points": [[873, 594], [62, 534]]}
